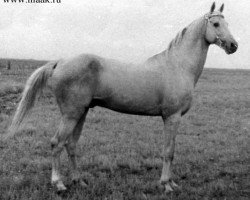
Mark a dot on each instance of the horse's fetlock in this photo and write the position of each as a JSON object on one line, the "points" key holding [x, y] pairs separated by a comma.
{"points": [[53, 142]]}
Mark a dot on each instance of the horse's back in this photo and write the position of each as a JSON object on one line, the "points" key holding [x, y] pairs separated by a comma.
{"points": [[98, 81]]}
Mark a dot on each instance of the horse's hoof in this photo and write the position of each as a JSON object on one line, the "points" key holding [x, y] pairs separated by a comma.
{"points": [[80, 182], [174, 185], [60, 187], [62, 193], [83, 183], [169, 186]]}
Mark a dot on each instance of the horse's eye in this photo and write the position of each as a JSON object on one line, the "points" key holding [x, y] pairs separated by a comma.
{"points": [[216, 24]]}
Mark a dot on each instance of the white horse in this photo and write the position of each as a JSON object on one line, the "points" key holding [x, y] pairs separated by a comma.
{"points": [[161, 86]]}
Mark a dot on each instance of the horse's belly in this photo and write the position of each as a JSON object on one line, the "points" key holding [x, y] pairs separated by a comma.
{"points": [[153, 110], [124, 103], [143, 101], [150, 107]]}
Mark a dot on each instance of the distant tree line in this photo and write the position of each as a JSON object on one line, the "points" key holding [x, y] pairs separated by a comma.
{"points": [[20, 63]]}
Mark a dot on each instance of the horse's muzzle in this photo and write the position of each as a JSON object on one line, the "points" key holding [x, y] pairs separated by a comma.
{"points": [[231, 47]]}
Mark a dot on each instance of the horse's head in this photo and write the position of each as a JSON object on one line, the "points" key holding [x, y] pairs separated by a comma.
{"points": [[217, 31]]}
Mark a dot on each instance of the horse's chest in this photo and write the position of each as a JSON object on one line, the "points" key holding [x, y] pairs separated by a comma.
{"points": [[177, 98]]}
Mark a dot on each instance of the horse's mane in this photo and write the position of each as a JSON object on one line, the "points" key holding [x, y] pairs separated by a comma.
{"points": [[178, 38]]}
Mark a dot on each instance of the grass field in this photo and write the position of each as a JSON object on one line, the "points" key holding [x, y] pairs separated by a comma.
{"points": [[120, 154]]}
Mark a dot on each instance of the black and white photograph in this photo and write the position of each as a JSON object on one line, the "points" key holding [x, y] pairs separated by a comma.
{"points": [[124, 100]]}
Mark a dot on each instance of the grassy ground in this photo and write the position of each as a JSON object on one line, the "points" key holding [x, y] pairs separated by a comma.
{"points": [[120, 154]]}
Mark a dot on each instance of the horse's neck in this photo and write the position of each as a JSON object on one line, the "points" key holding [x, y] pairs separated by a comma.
{"points": [[191, 52]]}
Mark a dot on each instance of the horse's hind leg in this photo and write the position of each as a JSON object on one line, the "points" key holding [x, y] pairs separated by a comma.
{"points": [[58, 142], [71, 149]]}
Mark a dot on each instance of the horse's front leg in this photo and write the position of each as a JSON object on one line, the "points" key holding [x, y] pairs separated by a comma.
{"points": [[171, 125]]}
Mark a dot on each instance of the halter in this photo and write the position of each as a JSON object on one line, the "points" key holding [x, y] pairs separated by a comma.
{"points": [[207, 18]]}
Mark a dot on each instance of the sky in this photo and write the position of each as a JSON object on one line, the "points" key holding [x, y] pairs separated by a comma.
{"points": [[127, 30]]}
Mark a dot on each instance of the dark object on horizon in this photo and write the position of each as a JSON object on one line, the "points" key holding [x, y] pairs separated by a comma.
{"points": [[8, 66]]}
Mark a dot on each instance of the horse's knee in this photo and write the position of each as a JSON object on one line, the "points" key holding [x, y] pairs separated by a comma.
{"points": [[70, 147], [170, 157]]}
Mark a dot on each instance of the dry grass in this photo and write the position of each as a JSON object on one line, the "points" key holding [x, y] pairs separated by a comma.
{"points": [[10, 87], [120, 154]]}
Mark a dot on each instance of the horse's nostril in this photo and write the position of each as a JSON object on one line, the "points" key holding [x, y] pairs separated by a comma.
{"points": [[234, 46]]}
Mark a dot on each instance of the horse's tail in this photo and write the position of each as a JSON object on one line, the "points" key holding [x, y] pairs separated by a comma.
{"points": [[36, 82]]}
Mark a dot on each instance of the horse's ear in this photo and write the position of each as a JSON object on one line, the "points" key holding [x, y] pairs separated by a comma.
{"points": [[222, 8], [212, 7]]}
